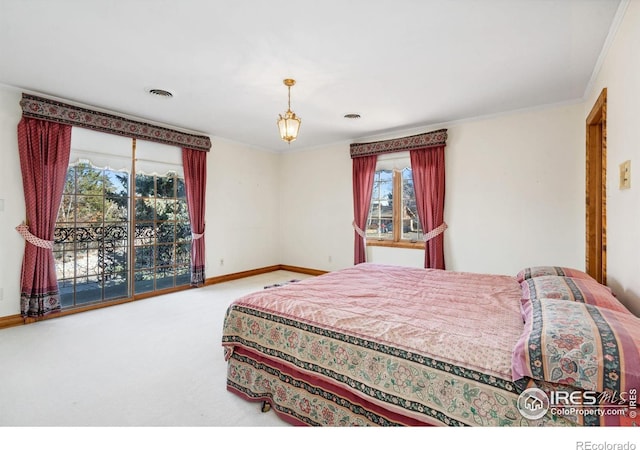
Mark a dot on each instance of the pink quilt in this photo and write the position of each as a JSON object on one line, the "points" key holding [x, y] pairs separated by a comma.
{"points": [[467, 319], [374, 344], [388, 345]]}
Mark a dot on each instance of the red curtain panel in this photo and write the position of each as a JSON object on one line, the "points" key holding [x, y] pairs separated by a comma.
{"points": [[427, 166], [195, 178], [364, 169], [44, 149]]}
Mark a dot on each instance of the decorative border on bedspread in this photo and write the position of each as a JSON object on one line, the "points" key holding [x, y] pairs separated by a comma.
{"points": [[299, 401], [349, 408], [360, 342], [422, 388], [608, 347]]}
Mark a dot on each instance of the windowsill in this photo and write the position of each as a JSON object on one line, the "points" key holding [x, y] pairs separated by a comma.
{"points": [[397, 244]]}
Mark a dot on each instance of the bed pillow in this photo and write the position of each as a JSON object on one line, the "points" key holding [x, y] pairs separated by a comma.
{"points": [[541, 271], [579, 345], [574, 289]]}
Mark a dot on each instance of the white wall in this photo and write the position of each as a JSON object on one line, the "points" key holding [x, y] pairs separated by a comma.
{"points": [[316, 208], [242, 214], [11, 243], [620, 74], [515, 191], [514, 197]]}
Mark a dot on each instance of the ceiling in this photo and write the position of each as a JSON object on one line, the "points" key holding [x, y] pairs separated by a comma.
{"points": [[400, 64]]}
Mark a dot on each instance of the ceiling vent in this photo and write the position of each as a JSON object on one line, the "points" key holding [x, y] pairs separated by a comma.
{"points": [[160, 93]]}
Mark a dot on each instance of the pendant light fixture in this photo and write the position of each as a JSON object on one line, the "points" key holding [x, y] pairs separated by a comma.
{"points": [[289, 124]]}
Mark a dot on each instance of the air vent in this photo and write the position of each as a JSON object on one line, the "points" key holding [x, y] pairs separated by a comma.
{"points": [[160, 93], [352, 116]]}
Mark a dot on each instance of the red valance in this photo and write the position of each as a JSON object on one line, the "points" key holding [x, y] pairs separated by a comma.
{"points": [[58, 112], [425, 140]]}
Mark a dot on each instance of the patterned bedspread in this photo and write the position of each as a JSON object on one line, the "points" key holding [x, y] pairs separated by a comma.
{"points": [[381, 345]]}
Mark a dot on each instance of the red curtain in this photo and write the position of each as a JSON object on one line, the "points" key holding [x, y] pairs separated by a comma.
{"points": [[427, 166], [44, 149], [195, 178], [364, 169]]}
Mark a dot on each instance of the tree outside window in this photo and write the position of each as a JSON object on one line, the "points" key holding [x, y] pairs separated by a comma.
{"points": [[393, 218]]}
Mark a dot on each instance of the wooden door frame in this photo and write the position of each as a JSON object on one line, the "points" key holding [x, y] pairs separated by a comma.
{"points": [[596, 190]]}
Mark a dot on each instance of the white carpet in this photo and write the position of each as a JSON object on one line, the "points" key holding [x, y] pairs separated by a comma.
{"points": [[154, 362]]}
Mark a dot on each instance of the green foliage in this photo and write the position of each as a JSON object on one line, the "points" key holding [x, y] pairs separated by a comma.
{"points": [[100, 195]]}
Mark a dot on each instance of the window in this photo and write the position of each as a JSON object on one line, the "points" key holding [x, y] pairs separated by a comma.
{"points": [[393, 218], [97, 257], [163, 235], [91, 236]]}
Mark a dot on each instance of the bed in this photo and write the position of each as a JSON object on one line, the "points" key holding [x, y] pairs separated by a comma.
{"points": [[385, 345]]}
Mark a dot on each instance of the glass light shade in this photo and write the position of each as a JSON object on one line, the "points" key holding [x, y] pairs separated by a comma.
{"points": [[289, 125]]}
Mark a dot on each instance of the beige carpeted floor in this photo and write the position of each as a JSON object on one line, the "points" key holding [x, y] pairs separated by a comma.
{"points": [[151, 374], [155, 362]]}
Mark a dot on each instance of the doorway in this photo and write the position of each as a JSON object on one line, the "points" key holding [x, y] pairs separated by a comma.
{"points": [[596, 189]]}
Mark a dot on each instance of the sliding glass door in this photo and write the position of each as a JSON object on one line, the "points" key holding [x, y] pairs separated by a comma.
{"points": [[98, 258]]}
